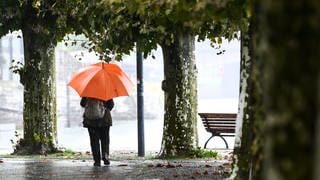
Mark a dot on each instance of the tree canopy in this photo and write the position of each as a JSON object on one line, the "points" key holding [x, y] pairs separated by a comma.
{"points": [[116, 27], [45, 16]]}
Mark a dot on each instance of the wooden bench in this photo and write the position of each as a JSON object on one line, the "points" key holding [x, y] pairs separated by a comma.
{"points": [[219, 124]]}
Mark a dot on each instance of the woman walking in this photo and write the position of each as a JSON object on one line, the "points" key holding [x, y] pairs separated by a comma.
{"points": [[97, 118]]}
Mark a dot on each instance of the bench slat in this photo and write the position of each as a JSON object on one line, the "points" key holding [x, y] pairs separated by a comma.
{"points": [[218, 115], [220, 127], [224, 131], [219, 122], [218, 119], [221, 130]]}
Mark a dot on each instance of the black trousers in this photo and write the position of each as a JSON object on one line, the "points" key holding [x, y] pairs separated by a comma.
{"points": [[99, 138]]}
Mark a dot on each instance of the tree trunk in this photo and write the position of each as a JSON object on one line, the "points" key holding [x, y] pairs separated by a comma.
{"points": [[2, 60], [242, 166], [180, 89], [291, 51], [249, 147], [38, 78], [316, 168]]}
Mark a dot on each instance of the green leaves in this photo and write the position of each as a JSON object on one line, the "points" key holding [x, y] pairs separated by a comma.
{"points": [[36, 4], [115, 26], [203, 153], [9, 16], [45, 17]]}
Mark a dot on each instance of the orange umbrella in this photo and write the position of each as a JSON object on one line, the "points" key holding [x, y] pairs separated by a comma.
{"points": [[101, 81]]}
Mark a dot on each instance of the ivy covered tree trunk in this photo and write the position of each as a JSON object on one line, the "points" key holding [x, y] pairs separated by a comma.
{"points": [[291, 51], [180, 89], [38, 78], [242, 155]]}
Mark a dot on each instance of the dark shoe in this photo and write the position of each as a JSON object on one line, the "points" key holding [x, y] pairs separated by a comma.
{"points": [[96, 164], [106, 161]]}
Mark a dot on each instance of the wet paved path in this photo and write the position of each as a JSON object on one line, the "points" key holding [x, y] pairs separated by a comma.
{"points": [[59, 169], [25, 169]]}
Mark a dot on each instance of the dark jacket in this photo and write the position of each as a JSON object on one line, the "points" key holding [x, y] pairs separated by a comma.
{"points": [[105, 121]]}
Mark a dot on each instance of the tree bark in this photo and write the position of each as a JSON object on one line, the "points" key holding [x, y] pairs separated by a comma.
{"points": [[180, 90], [248, 150], [38, 78], [291, 52], [242, 156], [316, 168], [2, 60]]}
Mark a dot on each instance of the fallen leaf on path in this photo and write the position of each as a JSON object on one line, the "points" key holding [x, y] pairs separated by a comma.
{"points": [[227, 165], [170, 165], [159, 165], [123, 165], [196, 173], [218, 173]]}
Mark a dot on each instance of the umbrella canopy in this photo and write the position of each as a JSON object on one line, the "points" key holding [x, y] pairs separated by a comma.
{"points": [[101, 81]]}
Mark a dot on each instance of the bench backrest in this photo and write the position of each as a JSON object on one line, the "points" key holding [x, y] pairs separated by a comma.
{"points": [[219, 122]]}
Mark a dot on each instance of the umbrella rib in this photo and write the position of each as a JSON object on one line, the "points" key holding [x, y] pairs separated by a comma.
{"points": [[89, 80]]}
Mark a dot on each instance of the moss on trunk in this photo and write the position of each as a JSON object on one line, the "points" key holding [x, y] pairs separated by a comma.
{"points": [[180, 88], [38, 78]]}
